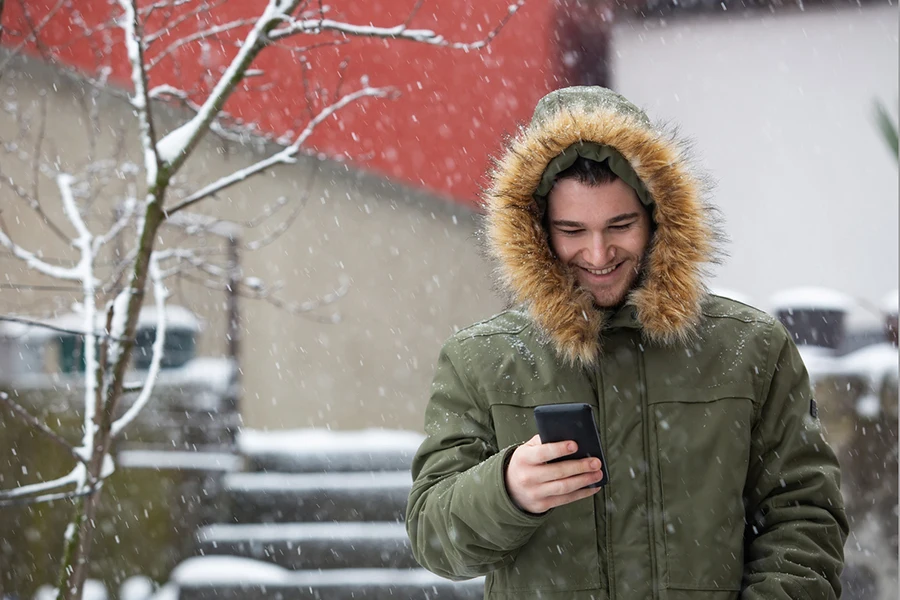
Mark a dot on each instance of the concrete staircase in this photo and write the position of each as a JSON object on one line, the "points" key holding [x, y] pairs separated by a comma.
{"points": [[315, 515]]}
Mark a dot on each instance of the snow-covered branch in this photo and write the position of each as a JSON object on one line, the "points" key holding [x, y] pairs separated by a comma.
{"points": [[75, 476], [85, 267], [35, 262], [398, 32], [224, 125], [285, 156], [159, 294], [174, 147], [139, 101]]}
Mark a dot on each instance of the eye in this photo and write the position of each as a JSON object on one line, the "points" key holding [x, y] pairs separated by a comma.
{"points": [[570, 231], [621, 227]]}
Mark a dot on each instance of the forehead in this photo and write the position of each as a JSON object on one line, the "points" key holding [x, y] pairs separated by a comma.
{"points": [[575, 201]]}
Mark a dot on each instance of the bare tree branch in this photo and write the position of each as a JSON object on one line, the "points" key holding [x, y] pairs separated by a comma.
{"points": [[36, 423], [286, 156], [200, 35], [286, 223], [5, 285], [170, 23], [399, 32], [2, 4], [32, 35]]}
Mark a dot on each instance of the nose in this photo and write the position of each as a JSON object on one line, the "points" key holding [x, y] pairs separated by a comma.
{"points": [[600, 252]]}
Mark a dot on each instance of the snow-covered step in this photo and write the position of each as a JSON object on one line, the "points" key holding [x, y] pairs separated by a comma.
{"points": [[299, 546], [317, 450], [299, 497], [231, 578]]}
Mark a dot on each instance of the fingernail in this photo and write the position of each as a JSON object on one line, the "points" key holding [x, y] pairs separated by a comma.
{"points": [[570, 447], [595, 465]]}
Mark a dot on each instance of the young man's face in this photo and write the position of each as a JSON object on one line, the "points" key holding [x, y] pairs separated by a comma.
{"points": [[601, 232]]}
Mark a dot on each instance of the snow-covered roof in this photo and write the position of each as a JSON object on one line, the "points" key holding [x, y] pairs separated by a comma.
{"points": [[815, 298], [874, 362], [211, 372], [890, 302], [177, 317]]}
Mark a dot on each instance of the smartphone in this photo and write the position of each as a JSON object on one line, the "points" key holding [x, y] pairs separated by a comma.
{"points": [[575, 421]]}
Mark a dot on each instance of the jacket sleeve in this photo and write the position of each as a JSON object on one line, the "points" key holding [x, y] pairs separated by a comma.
{"points": [[460, 519], [796, 525]]}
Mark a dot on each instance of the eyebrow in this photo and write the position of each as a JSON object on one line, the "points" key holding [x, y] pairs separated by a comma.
{"points": [[613, 221]]}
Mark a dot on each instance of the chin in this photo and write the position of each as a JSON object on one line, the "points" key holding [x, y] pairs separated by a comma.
{"points": [[607, 300]]}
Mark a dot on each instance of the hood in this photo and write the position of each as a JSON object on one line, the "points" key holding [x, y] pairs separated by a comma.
{"points": [[668, 301]]}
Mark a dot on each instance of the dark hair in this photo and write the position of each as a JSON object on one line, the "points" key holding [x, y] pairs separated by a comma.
{"points": [[589, 172]]}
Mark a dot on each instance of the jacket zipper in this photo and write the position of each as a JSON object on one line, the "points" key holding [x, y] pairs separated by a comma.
{"points": [[651, 517], [604, 544]]}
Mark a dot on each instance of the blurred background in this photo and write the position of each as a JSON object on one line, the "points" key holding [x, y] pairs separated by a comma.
{"points": [[333, 281]]}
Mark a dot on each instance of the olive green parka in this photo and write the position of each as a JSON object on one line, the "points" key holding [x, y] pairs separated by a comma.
{"points": [[721, 484]]}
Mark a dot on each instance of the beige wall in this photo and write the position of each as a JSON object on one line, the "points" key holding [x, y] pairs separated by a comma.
{"points": [[414, 271]]}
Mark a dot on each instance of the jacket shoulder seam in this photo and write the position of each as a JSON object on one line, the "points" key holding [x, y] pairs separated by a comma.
{"points": [[472, 332]]}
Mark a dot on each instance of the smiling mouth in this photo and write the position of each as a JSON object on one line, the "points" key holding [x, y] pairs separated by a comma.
{"points": [[605, 271]]}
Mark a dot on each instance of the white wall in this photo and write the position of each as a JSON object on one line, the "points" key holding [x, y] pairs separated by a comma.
{"points": [[780, 108]]}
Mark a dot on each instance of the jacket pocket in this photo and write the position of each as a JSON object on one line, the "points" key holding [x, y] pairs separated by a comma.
{"points": [[703, 449], [562, 553]]}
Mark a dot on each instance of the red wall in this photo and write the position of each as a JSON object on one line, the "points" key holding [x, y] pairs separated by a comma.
{"points": [[451, 115]]}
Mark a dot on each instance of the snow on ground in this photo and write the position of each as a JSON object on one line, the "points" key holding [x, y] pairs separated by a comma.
{"points": [[137, 587], [93, 590], [253, 442], [229, 570]]}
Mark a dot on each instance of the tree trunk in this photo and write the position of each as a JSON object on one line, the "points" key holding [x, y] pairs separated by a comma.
{"points": [[74, 569]]}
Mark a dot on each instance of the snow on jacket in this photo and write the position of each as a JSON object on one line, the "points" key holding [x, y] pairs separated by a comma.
{"points": [[721, 484]]}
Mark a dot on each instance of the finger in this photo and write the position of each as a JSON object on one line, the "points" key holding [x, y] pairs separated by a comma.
{"points": [[534, 441], [563, 487], [555, 501], [568, 468], [547, 452]]}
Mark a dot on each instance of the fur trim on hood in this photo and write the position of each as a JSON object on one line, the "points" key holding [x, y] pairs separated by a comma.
{"points": [[669, 300]]}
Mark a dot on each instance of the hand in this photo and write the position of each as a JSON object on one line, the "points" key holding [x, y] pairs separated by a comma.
{"points": [[536, 486]]}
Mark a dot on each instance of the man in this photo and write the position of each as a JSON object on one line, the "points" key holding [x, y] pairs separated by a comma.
{"points": [[721, 486]]}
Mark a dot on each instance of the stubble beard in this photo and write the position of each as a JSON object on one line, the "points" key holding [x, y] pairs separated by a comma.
{"points": [[612, 298]]}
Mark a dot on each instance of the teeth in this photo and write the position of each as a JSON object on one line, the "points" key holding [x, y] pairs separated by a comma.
{"points": [[602, 271]]}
